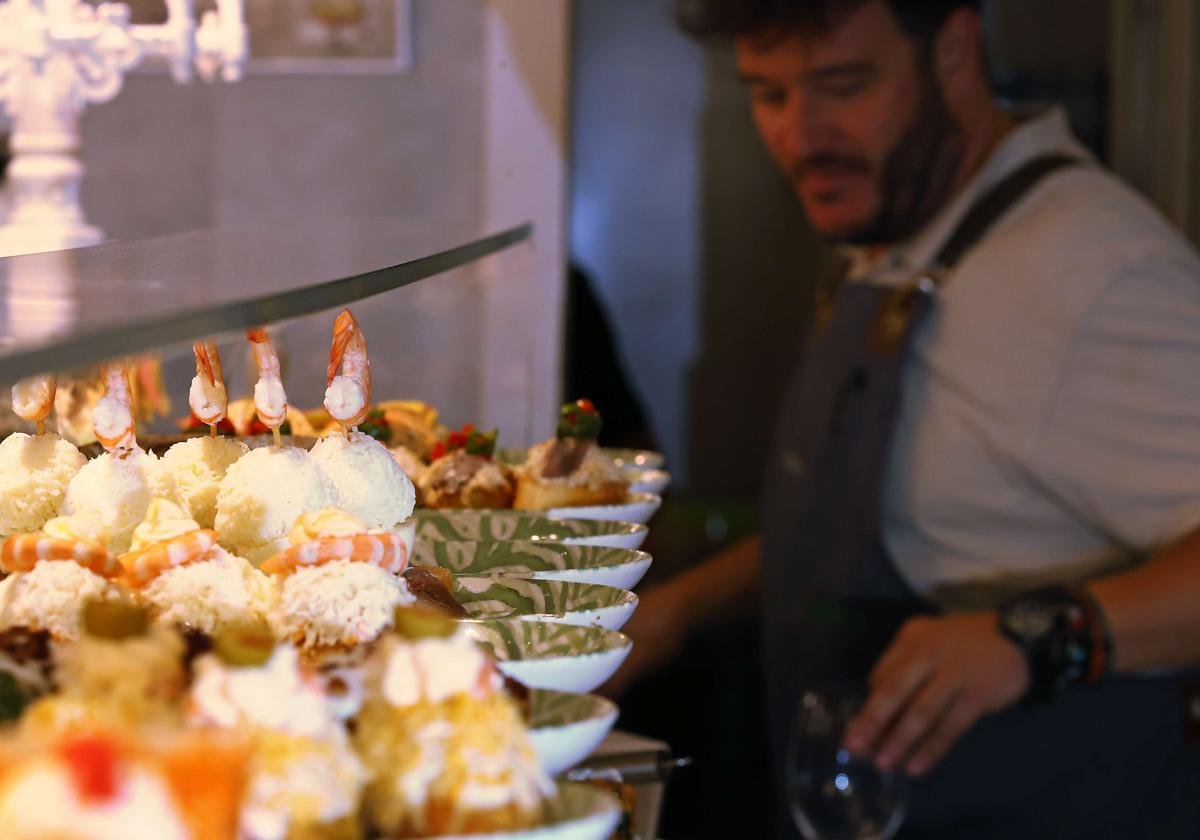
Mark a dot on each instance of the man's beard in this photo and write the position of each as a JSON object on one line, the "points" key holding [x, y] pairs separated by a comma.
{"points": [[918, 173]]}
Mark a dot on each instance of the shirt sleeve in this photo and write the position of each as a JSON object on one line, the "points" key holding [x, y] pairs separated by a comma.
{"points": [[1119, 443]]}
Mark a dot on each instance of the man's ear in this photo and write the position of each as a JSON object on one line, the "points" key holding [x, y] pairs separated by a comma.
{"points": [[958, 55]]}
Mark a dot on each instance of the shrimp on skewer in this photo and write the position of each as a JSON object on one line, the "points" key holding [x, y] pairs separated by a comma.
{"points": [[348, 396], [33, 398], [387, 551], [112, 416], [144, 565], [270, 400], [20, 553], [208, 398]]}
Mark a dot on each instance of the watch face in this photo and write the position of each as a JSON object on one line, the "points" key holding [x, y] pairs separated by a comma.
{"points": [[1029, 620]]}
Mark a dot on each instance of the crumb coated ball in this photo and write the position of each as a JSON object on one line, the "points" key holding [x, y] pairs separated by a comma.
{"points": [[340, 603], [262, 494], [34, 473], [197, 467], [210, 595], [50, 597], [370, 484], [116, 493]]}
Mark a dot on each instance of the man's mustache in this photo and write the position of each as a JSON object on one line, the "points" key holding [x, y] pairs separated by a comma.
{"points": [[830, 162]]}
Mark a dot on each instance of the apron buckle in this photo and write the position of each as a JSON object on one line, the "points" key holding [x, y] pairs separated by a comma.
{"points": [[891, 326]]}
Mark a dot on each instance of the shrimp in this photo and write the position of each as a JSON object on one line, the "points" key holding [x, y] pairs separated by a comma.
{"points": [[207, 396], [112, 416], [387, 551], [33, 398], [144, 565], [20, 553], [270, 401], [348, 396]]}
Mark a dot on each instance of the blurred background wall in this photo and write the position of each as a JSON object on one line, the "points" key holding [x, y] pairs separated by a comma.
{"points": [[421, 146]]}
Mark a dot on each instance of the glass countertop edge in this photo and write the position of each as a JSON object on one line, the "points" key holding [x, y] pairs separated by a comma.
{"points": [[86, 347]]}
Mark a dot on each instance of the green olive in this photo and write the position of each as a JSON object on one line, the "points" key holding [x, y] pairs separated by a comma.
{"points": [[115, 619], [245, 645], [423, 623]]}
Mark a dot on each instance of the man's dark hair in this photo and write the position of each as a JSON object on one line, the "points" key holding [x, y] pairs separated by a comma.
{"points": [[922, 19]]}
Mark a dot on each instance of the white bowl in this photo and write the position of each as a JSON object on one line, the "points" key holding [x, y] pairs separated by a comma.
{"points": [[567, 728], [637, 507], [647, 481], [560, 657]]}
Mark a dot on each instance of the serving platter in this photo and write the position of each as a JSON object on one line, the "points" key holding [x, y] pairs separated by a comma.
{"points": [[566, 728], [565, 602], [509, 525], [617, 567], [559, 657]]}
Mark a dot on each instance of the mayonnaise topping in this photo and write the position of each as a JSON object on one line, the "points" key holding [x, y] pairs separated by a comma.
{"points": [[344, 397], [164, 520], [327, 522], [78, 528]]}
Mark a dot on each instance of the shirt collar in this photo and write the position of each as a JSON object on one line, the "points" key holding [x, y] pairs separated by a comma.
{"points": [[1043, 132]]}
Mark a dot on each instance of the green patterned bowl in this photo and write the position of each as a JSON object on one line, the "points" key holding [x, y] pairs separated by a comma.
{"points": [[507, 525], [560, 657], [640, 458], [567, 728], [578, 811], [616, 567], [582, 604]]}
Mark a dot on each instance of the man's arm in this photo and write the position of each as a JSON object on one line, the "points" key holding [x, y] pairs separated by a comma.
{"points": [[724, 585], [941, 675]]}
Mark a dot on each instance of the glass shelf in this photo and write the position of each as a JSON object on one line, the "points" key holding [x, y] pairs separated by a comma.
{"points": [[64, 309]]}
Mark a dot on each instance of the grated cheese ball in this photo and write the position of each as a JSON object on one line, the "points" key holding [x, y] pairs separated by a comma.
{"points": [[116, 492], [51, 596], [340, 603], [369, 482], [197, 467], [222, 590], [264, 492], [34, 473]]}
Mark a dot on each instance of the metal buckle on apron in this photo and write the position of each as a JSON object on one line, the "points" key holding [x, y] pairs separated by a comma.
{"points": [[891, 326]]}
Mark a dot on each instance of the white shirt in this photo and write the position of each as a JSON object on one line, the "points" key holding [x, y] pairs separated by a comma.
{"points": [[1050, 420]]}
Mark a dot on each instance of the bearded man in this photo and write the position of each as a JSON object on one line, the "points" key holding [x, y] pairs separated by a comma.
{"points": [[984, 499]]}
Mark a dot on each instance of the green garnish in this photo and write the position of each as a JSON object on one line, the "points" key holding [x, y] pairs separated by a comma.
{"points": [[423, 623], [12, 699], [579, 420], [376, 425], [482, 444]]}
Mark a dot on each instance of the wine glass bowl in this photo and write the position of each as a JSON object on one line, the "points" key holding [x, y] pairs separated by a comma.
{"points": [[833, 795]]}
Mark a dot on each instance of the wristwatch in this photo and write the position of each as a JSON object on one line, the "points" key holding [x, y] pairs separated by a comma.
{"points": [[1062, 634]]}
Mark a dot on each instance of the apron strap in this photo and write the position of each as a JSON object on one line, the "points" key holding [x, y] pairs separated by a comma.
{"points": [[992, 205]]}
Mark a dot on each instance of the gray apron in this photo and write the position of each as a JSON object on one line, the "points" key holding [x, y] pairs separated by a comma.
{"points": [[1102, 761]]}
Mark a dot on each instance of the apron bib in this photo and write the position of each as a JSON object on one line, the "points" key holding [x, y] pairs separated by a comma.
{"points": [[1101, 761]]}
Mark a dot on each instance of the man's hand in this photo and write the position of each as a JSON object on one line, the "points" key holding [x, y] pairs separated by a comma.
{"points": [[937, 678], [658, 629]]}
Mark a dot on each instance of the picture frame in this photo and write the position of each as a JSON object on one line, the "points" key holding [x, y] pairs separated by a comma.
{"points": [[329, 37]]}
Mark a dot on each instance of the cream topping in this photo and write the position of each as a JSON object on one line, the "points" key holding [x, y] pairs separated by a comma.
{"points": [[433, 670], [276, 696]]}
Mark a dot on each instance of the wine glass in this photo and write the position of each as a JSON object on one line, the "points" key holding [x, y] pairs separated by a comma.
{"points": [[832, 795]]}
